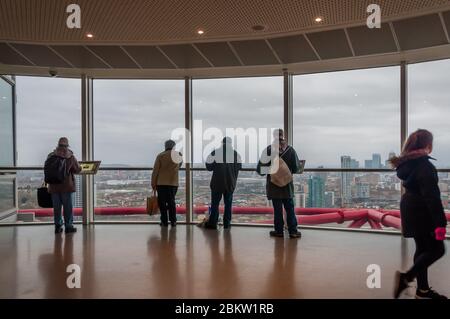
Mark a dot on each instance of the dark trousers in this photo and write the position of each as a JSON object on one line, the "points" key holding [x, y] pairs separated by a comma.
{"points": [[291, 219], [166, 202], [216, 197], [62, 201], [428, 250]]}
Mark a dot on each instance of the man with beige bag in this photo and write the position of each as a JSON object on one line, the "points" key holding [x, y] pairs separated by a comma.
{"points": [[279, 161], [165, 182]]}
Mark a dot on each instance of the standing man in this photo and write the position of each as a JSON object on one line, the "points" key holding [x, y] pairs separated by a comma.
{"points": [[165, 182], [225, 164], [60, 167], [281, 194]]}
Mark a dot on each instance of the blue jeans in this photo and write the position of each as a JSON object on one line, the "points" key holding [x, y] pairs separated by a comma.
{"points": [[215, 201], [62, 200], [291, 219]]}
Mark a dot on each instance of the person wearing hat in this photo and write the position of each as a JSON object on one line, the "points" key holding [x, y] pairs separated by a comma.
{"points": [[62, 193]]}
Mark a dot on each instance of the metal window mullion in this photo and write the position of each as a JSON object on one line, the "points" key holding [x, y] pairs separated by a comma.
{"points": [[288, 106], [403, 102], [403, 107], [87, 141], [188, 148]]}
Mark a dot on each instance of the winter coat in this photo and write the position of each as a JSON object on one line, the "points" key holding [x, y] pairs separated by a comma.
{"points": [[165, 170], [72, 166], [225, 168], [291, 159], [421, 206]]}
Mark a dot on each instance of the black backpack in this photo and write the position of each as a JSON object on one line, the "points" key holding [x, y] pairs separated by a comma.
{"points": [[55, 170]]}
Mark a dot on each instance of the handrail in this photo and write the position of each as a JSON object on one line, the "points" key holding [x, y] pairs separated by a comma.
{"points": [[200, 169]]}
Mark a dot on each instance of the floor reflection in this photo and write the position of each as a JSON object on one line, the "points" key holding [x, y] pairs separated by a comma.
{"points": [[165, 269]]}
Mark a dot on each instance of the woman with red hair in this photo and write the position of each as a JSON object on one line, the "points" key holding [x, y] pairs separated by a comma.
{"points": [[422, 213]]}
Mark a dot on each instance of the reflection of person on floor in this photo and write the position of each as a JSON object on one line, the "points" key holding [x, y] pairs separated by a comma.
{"points": [[165, 269], [53, 268], [281, 281], [422, 213], [223, 267]]}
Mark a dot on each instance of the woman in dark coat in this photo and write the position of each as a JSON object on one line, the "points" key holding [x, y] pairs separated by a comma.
{"points": [[422, 213]]}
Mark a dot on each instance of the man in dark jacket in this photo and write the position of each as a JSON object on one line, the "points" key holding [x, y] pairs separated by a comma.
{"points": [[225, 164], [62, 193], [281, 196]]}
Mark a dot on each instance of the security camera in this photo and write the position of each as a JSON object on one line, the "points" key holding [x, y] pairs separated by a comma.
{"points": [[53, 73]]}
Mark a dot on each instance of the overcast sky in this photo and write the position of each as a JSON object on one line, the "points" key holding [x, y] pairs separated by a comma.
{"points": [[352, 113]]}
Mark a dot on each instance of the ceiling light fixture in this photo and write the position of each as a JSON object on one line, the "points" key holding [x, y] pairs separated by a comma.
{"points": [[258, 27], [318, 19], [89, 35], [200, 32]]}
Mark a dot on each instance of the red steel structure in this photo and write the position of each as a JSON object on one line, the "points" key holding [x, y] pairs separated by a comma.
{"points": [[357, 218]]}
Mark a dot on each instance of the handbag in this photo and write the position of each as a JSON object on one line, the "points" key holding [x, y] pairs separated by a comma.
{"points": [[152, 204], [280, 173], [44, 197]]}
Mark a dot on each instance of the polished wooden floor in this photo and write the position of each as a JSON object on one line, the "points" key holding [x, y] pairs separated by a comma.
{"points": [[145, 261]]}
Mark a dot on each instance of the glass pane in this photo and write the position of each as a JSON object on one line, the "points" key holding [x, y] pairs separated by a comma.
{"points": [[6, 124], [318, 198], [351, 113], [121, 195], [135, 117], [227, 105], [429, 105], [7, 198], [47, 108], [27, 184], [250, 203], [247, 110]]}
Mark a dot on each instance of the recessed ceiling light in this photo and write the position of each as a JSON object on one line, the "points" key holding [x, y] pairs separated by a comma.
{"points": [[200, 31], [318, 19], [258, 27], [89, 35]]}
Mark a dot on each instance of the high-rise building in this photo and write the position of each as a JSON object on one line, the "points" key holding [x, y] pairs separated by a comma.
{"points": [[323, 175], [346, 180], [368, 164], [376, 161], [77, 199], [329, 199], [316, 192]]}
